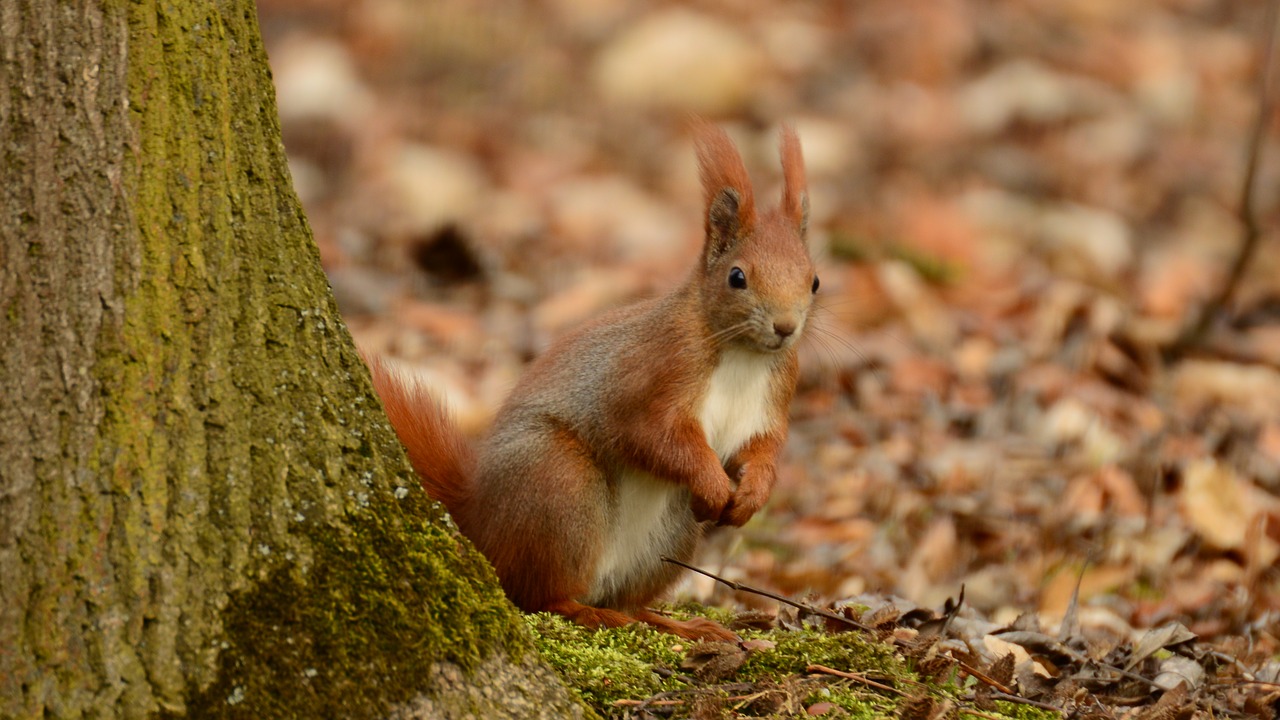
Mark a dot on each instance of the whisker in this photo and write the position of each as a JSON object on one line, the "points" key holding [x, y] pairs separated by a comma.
{"points": [[830, 303], [824, 309], [725, 334], [816, 337], [825, 336]]}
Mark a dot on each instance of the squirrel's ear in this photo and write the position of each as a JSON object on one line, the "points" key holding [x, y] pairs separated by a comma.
{"points": [[729, 207], [795, 191]]}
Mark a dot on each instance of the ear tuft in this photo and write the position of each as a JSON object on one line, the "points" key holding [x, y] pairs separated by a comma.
{"points": [[724, 224], [795, 191], [729, 205]]}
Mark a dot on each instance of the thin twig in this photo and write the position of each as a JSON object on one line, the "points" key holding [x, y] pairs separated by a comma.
{"points": [[979, 713], [646, 703], [998, 695], [984, 678], [1084, 660], [673, 698], [1000, 691], [1119, 671], [1195, 333], [772, 596], [746, 700], [856, 678], [1016, 699]]}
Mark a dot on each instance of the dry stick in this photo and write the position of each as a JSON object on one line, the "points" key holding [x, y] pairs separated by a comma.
{"points": [[765, 593], [856, 678], [748, 699], [647, 703], [1084, 660], [1079, 657], [670, 698], [1001, 692], [983, 677], [998, 687], [1195, 333], [1019, 700], [1007, 697], [979, 713]]}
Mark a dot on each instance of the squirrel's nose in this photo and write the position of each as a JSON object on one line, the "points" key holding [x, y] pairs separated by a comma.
{"points": [[784, 328]]}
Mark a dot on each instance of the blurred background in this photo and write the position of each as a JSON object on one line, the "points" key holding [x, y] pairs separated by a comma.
{"points": [[1017, 206]]}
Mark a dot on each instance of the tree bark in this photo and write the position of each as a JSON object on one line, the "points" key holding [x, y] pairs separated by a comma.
{"points": [[203, 510]]}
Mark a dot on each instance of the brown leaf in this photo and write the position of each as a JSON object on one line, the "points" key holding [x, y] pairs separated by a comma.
{"points": [[707, 706], [1056, 596], [921, 707], [591, 295], [883, 616], [713, 661], [1263, 708], [754, 620], [450, 326], [921, 376], [934, 557], [936, 667], [1220, 505], [1179, 671], [1169, 282], [1202, 384], [1174, 633], [1173, 705], [1002, 670]]}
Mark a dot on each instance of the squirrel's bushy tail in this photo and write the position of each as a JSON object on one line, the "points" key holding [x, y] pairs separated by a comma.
{"points": [[438, 451]]}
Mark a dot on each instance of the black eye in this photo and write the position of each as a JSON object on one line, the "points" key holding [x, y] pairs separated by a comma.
{"points": [[815, 283], [737, 279]]}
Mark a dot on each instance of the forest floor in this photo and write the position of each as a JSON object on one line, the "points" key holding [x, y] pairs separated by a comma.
{"points": [[1018, 207]]}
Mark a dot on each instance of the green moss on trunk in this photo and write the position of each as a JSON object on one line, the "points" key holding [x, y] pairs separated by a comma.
{"points": [[206, 511], [311, 642]]}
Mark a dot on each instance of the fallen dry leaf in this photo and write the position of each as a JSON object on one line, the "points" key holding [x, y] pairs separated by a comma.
{"points": [[1220, 505]]}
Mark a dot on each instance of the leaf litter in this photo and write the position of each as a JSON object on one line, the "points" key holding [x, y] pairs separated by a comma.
{"points": [[1019, 206]]}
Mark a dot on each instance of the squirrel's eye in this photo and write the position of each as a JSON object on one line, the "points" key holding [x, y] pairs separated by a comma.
{"points": [[815, 283], [737, 279]]}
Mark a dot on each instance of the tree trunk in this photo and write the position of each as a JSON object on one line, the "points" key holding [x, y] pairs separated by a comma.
{"points": [[203, 509]]}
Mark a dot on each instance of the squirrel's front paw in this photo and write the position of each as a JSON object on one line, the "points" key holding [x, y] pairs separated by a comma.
{"points": [[709, 501], [755, 483]]}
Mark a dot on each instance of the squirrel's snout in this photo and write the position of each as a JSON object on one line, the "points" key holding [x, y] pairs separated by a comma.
{"points": [[786, 324]]}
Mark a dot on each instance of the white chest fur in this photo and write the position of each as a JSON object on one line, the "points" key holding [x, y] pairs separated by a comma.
{"points": [[641, 530], [736, 405]]}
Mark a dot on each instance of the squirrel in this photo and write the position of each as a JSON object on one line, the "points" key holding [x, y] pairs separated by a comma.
{"points": [[628, 436]]}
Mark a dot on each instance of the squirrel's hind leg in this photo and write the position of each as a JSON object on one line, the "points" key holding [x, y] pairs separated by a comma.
{"points": [[545, 514], [594, 617], [694, 628]]}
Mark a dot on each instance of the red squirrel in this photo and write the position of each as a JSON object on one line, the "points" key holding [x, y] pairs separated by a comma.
{"points": [[628, 435]]}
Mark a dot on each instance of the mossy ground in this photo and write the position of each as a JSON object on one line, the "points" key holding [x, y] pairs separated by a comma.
{"points": [[610, 667]]}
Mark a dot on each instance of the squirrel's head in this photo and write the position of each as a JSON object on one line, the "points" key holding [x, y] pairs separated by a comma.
{"points": [[756, 277]]}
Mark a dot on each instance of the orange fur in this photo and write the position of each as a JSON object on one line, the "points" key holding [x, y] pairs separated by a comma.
{"points": [[692, 629], [627, 436], [719, 167], [795, 194], [437, 449]]}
